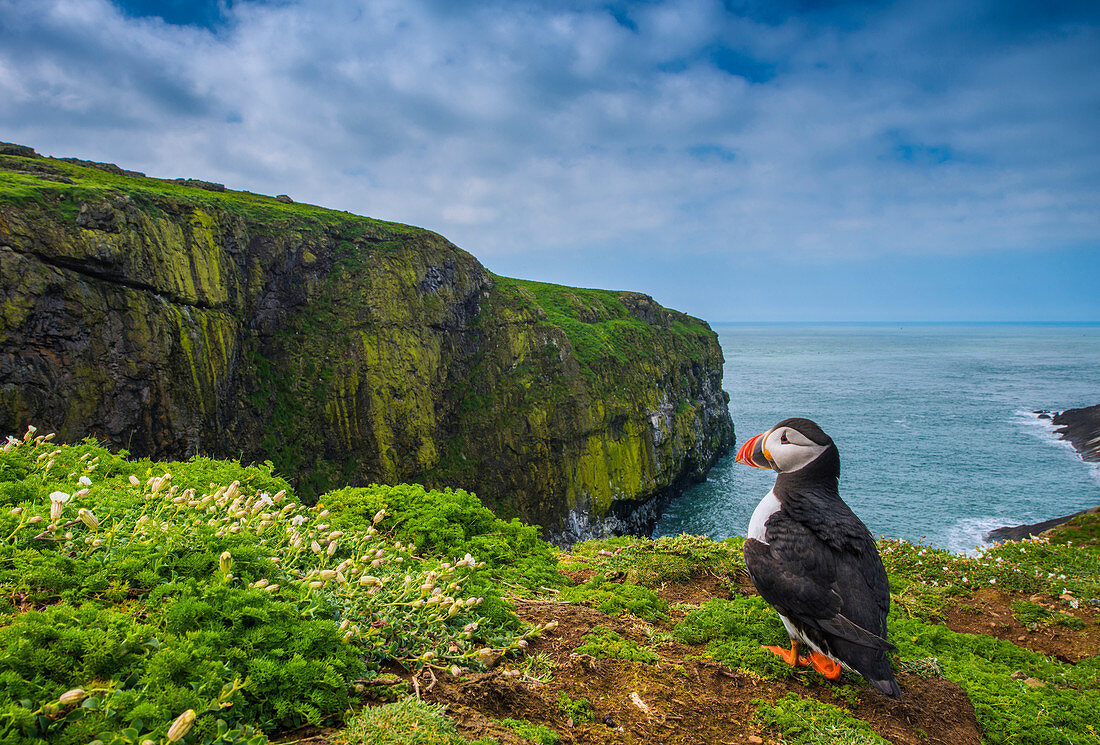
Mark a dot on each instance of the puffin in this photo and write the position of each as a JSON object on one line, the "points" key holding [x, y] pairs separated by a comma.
{"points": [[814, 561]]}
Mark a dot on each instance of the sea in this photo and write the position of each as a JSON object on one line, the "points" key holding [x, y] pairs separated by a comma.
{"points": [[936, 426]]}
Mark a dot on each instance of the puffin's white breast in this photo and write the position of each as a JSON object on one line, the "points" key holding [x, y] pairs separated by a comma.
{"points": [[768, 506]]}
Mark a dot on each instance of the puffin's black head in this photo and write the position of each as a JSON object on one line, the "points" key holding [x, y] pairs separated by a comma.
{"points": [[793, 445]]}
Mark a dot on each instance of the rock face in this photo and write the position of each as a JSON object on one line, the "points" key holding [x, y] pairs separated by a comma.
{"points": [[173, 320], [1082, 428]]}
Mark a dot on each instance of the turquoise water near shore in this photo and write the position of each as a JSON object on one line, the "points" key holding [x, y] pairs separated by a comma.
{"points": [[934, 422]]}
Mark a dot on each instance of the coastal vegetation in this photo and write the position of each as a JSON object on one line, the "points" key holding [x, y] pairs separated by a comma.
{"points": [[199, 601]]}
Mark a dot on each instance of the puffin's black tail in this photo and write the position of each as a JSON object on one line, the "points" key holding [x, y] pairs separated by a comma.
{"points": [[889, 686], [874, 665]]}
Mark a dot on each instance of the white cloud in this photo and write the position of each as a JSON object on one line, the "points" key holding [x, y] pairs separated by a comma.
{"points": [[523, 128]]}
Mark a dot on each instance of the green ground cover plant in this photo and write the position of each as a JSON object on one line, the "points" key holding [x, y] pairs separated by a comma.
{"points": [[619, 598], [135, 593], [539, 734], [1062, 708], [405, 722], [676, 559], [807, 721], [734, 631], [603, 643], [579, 709]]}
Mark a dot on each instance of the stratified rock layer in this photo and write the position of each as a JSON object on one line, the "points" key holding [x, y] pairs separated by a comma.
{"points": [[173, 320]]}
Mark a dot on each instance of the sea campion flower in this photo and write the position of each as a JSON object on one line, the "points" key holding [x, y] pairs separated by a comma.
{"points": [[57, 503], [88, 518], [134, 481], [84, 481]]}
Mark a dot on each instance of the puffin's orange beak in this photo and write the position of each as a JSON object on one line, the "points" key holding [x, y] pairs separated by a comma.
{"points": [[752, 453]]}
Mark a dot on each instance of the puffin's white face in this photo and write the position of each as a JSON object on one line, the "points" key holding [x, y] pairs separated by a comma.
{"points": [[782, 448], [788, 450]]}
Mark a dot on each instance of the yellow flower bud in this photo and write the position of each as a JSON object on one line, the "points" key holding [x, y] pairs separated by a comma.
{"points": [[75, 696], [225, 561], [181, 726], [87, 518]]}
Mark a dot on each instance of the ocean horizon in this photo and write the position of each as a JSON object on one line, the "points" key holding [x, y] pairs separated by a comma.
{"points": [[935, 422]]}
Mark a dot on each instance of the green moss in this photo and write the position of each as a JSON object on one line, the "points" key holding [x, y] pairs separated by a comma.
{"points": [[1033, 615], [361, 374], [409, 721], [806, 721], [677, 559], [619, 599], [539, 734], [603, 643], [579, 710], [734, 632]]}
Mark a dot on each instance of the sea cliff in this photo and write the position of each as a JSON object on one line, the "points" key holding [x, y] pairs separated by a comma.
{"points": [[176, 318]]}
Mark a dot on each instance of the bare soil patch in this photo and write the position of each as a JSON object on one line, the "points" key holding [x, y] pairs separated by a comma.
{"points": [[989, 612], [682, 699]]}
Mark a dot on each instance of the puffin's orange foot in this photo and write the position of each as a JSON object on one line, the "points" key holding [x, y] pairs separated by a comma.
{"points": [[790, 656], [827, 666]]}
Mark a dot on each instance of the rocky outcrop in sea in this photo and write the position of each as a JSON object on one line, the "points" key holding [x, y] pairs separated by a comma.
{"points": [[1081, 427], [177, 317]]}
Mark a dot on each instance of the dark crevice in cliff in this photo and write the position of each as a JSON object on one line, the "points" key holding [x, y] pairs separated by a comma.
{"points": [[106, 275]]}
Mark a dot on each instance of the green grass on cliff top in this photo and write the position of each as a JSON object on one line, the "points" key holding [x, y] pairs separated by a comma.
{"points": [[601, 327], [26, 181]]}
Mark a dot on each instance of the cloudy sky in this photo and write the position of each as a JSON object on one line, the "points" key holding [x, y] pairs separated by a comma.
{"points": [[762, 161]]}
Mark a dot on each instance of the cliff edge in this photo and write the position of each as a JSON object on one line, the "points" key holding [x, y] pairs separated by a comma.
{"points": [[175, 318]]}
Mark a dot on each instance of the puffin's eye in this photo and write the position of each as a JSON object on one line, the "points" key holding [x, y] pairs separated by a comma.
{"points": [[783, 439]]}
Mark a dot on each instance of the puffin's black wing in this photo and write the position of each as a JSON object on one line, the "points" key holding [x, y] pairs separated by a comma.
{"points": [[832, 587], [821, 513]]}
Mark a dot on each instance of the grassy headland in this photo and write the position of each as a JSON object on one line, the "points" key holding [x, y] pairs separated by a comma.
{"points": [[135, 591]]}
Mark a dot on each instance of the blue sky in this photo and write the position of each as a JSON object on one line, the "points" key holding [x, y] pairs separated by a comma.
{"points": [[772, 161]]}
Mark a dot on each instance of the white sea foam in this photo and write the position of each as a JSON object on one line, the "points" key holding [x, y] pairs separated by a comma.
{"points": [[968, 535], [1045, 430]]}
